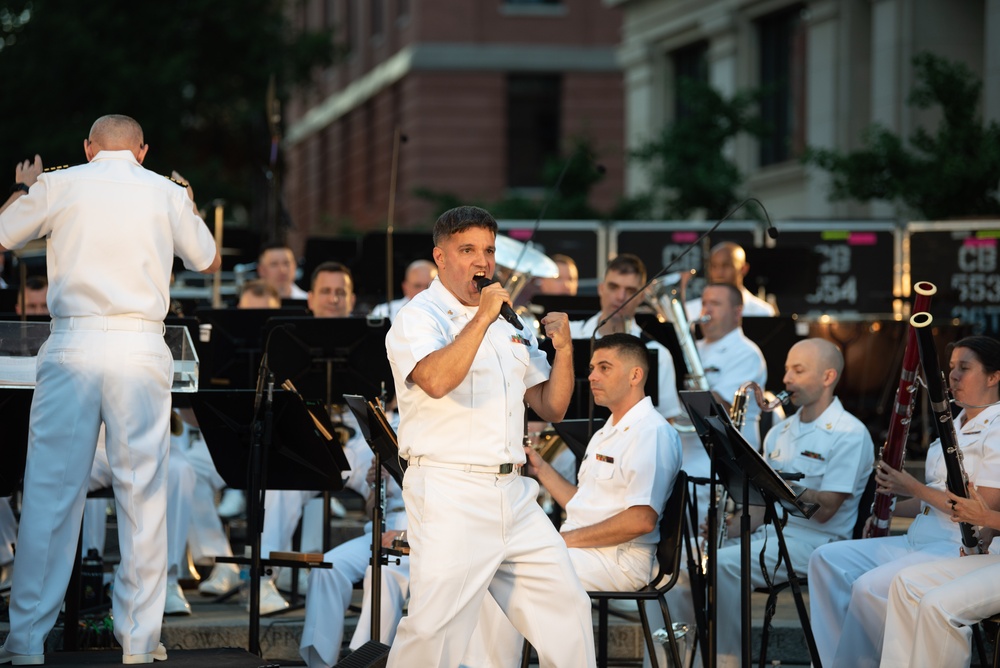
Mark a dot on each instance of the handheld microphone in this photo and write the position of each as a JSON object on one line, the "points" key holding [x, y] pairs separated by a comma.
{"points": [[506, 312]]}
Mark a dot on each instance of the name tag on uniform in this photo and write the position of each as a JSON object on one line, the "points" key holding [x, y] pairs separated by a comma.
{"points": [[605, 458], [813, 455]]}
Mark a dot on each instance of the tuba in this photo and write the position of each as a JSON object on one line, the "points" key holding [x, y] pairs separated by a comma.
{"points": [[665, 296]]}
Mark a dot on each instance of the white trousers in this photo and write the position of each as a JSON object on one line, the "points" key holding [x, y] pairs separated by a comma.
{"points": [[180, 492], [497, 644], [8, 531], [473, 533], [83, 377], [329, 595], [848, 591], [206, 537], [283, 508], [933, 607]]}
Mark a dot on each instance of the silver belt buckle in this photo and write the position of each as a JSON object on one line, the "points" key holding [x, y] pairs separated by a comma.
{"points": [[505, 469]]}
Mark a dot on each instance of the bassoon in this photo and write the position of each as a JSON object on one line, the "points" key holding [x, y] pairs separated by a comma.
{"points": [[894, 449], [957, 480]]}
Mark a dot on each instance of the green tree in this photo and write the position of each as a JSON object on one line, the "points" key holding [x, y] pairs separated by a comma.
{"points": [[951, 173], [195, 74], [688, 168]]}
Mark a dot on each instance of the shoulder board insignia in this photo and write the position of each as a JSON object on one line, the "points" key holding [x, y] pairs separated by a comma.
{"points": [[182, 184], [55, 169]]}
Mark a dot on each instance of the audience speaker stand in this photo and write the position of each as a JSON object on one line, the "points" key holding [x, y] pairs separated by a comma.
{"points": [[747, 476], [382, 440], [262, 440]]}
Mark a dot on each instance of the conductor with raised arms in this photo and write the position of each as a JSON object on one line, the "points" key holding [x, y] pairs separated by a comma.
{"points": [[462, 376], [112, 230]]}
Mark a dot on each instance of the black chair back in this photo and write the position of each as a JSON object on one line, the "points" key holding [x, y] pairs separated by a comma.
{"points": [[673, 523]]}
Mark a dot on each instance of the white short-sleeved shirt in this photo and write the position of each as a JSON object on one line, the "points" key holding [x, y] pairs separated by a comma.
{"points": [[753, 307], [728, 363], [669, 403], [389, 309], [480, 422], [631, 463], [112, 230], [979, 440], [835, 453]]}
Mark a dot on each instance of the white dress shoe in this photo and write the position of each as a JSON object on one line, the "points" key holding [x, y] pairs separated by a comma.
{"points": [[159, 654], [20, 659], [233, 503], [176, 603], [270, 599], [224, 579]]}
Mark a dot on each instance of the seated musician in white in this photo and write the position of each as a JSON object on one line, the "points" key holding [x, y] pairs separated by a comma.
{"points": [[834, 452], [613, 514]]}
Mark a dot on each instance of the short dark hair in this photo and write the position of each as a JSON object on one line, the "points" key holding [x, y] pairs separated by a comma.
{"points": [[627, 263], [275, 245], [735, 295], [333, 268], [985, 348], [36, 283], [260, 288], [628, 347], [460, 219]]}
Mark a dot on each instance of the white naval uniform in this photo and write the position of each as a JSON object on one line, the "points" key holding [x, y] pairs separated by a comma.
{"points": [[180, 490], [933, 608], [471, 532], [390, 309], [206, 536], [753, 307], [112, 230], [669, 404], [835, 452], [297, 293], [728, 363], [330, 591], [849, 581], [631, 463]]}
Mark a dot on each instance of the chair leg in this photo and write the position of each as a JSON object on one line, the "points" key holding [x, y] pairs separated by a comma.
{"points": [[674, 649], [765, 630], [525, 653], [647, 633], [602, 631]]}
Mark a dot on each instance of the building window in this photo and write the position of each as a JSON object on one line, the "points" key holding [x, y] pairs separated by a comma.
{"points": [[782, 81], [689, 62], [533, 112]]}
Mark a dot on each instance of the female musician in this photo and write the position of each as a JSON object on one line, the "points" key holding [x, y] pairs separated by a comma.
{"points": [[932, 607], [849, 581]]}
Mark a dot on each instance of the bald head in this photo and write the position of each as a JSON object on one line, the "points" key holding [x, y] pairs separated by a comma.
{"points": [[812, 370], [115, 132], [727, 263], [418, 277], [826, 354]]}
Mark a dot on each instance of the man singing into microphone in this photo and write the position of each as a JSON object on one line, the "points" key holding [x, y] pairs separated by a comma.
{"points": [[462, 376]]}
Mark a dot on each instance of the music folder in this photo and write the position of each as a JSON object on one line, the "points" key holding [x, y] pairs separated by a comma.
{"points": [[737, 463], [379, 434]]}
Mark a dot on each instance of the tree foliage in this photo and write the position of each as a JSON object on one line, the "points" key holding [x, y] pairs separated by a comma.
{"points": [[688, 167], [194, 74], [950, 173]]}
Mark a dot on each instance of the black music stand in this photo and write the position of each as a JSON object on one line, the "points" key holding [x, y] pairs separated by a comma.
{"points": [[747, 476], [576, 434], [382, 440], [326, 358], [231, 357], [264, 440]]}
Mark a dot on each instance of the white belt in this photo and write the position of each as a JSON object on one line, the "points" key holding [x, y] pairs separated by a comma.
{"points": [[499, 469], [121, 323]]}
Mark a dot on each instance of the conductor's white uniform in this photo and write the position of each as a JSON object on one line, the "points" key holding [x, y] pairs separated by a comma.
{"points": [[474, 523], [112, 230], [849, 581]]}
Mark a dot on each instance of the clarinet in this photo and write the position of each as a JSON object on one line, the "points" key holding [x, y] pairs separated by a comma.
{"points": [[957, 480], [894, 449]]}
